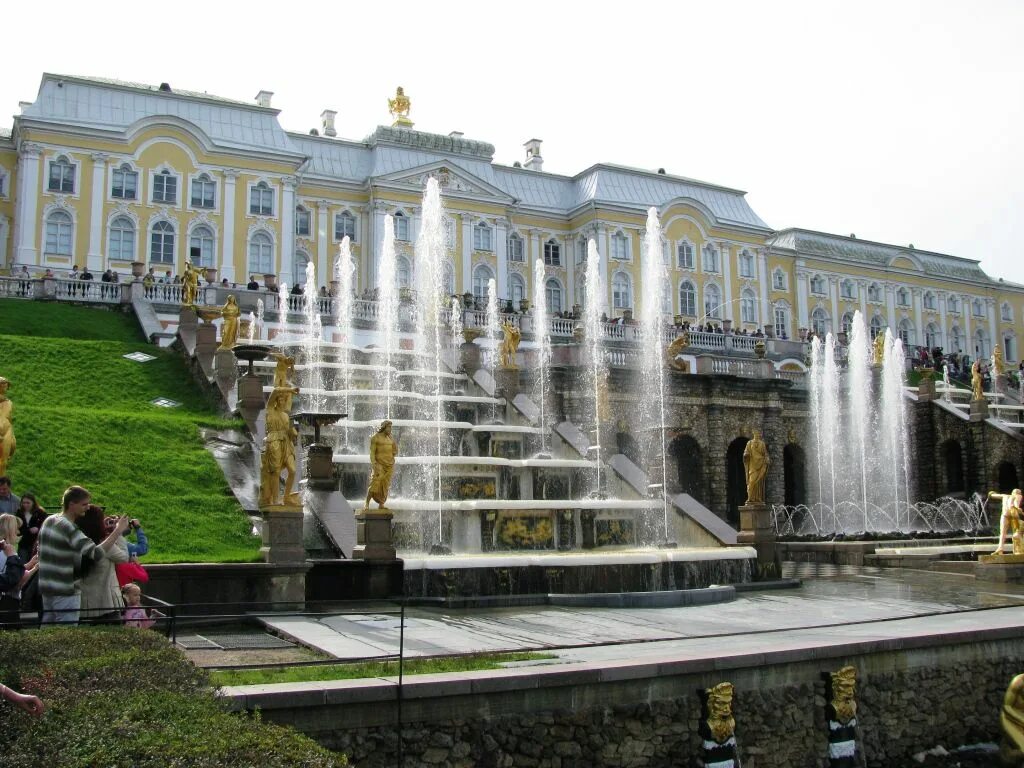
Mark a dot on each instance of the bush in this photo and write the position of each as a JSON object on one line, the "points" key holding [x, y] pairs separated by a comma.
{"points": [[123, 697]]}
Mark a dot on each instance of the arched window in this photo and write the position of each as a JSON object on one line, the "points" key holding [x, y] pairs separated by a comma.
{"points": [[515, 248], [818, 284], [848, 289], [781, 320], [712, 301], [303, 222], [907, 333], [877, 326], [622, 293], [929, 301], [405, 273], [261, 254], [344, 226], [746, 264], [687, 299], [200, 247], [902, 297], [60, 230], [165, 188], [483, 237], [62, 175], [666, 298], [125, 183], [932, 336], [748, 307], [820, 323], [620, 247], [121, 246], [552, 253], [261, 200], [847, 323], [956, 339], [779, 281], [684, 254], [204, 191], [161, 243], [401, 224], [481, 275], [1006, 312], [299, 268], [553, 294], [710, 258], [517, 288], [981, 344]]}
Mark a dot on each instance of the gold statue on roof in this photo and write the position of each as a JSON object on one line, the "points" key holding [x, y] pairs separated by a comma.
{"points": [[399, 108]]}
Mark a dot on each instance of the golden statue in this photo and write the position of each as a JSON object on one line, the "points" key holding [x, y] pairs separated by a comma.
{"points": [[284, 370], [878, 348], [229, 330], [1010, 519], [7, 441], [383, 451], [998, 368], [399, 108], [1011, 719], [721, 724], [844, 689], [190, 284], [509, 344], [673, 350], [279, 449], [756, 462], [977, 393]]}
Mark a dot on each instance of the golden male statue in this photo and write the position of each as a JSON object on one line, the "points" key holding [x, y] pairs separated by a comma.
{"points": [[190, 284], [229, 330], [279, 449], [1011, 719], [509, 345], [383, 452], [1011, 520], [7, 441], [977, 393], [878, 349], [756, 462]]}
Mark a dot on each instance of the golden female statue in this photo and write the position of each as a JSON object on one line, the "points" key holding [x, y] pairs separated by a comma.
{"points": [[190, 284], [756, 462], [279, 449], [879, 349], [509, 345], [7, 441], [229, 330], [977, 394], [998, 368], [383, 451], [1010, 519]]}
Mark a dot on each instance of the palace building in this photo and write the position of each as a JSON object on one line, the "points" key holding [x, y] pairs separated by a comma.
{"points": [[104, 173]]}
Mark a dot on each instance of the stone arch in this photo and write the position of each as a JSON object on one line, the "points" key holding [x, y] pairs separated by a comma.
{"points": [[1006, 477], [794, 475], [736, 480], [953, 466], [689, 463]]}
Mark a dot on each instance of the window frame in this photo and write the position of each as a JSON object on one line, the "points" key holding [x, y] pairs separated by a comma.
{"points": [[125, 170], [483, 237], [400, 224], [340, 233], [620, 247], [59, 237], [481, 274], [260, 238], [264, 205], [68, 175], [780, 285], [111, 229], [192, 235], [692, 297], [205, 180], [512, 240], [168, 235], [746, 264], [711, 259], [748, 306], [716, 310], [166, 177], [683, 249], [303, 213], [552, 289], [622, 299], [552, 253]]}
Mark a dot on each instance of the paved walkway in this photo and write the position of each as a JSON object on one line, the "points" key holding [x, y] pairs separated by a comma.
{"points": [[858, 602]]}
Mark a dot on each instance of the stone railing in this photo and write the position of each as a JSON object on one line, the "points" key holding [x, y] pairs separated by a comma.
{"points": [[88, 290], [18, 288]]}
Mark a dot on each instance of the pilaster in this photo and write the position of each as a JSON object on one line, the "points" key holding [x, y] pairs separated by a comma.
{"points": [[726, 255], [467, 252], [501, 252], [227, 251], [26, 218], [288, 184], [95, 256], [323, 236], [762, 276]]}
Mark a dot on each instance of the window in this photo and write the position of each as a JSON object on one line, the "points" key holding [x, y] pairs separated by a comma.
{"points": [[978, 308], [161, 243], [404, 273], [1006, 311], [874, 292], [956, 339], [932, 336], [907, 333], [877, 327], [345, 226], [125, 185], [929, 301], [59, 233], [684, 254], [204, 191], [1009, 348], [666, 259], [165, 188], [122, 240], [449, 231], [200, 247], [261, 200], [401, 223], [621, 293], [62, 175], [953, 304], [748, 307], [781, 321], [483, 237], [518, 289], [666, 298], [847, 289], [482, 274], [553, 294], [552, 253], [818, 285], [620, 247], [581, 250], [299, 268], [261, 254], [515, 248], [710, 259], [449, 278], [847, 323], [712, 301], [303, 222], [3, 183], [902, 297], [746, 264], [687, 299], [981, 346], [819, 321], [779, 282]]}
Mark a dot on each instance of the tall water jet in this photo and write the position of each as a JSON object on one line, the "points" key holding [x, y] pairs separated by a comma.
{"points": [[593, 307], [259, 318], [455, 324], [282, 307], [252, 327], [859, 386], [542, 340], [387, 305], [815, 384], [894, 420], [655, 275], [311, 338], [493, 331], [829, 403], [344, 277]]}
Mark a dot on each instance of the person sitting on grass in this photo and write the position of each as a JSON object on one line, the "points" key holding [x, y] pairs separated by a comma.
{"points": [[134, 614]]}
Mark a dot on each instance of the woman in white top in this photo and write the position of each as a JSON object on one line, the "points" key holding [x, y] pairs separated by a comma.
{"points": [[101, 594]]}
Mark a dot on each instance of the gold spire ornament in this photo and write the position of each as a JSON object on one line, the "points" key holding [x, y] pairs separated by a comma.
{"points": [[399, 108]]}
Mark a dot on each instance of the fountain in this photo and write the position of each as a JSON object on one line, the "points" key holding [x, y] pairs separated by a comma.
{"points": [[387, 306], [311, 344], [344, 276], [492, 332], [593, 307], [542, 340], [259, 319]]}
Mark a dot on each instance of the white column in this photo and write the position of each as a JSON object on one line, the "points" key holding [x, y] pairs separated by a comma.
{"points": [[501, 252], [323, 239], [762, 272], [379, 211], [726, 256], [890, 305], [95, 256], [26, 221], [569, 260], [467, 252], [288, 231], [227, 250], [833, 289], [918, 317], [968, 310], [943, 329], [801, 298], [862, 293], [993, 327]]}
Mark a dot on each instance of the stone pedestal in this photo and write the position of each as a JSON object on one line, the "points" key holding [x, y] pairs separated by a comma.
{"points": [[979, 410], [320, 467], [756, 531], [282, 534], [187, 319], [373, 535], [506, 383], [926, 388], [225, 365], [469, 356], [206, 339], [250, 393], [1001, 568]]}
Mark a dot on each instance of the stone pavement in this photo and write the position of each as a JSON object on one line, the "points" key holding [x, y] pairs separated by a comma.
{"points": [[851, 602]]}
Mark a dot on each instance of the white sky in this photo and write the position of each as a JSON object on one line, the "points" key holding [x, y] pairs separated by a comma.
{"points": [[899, 121]]}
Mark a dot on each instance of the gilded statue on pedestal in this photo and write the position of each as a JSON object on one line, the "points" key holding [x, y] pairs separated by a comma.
{"points": [[977, 393], [190, 284], [399, 108], [229, 330], [7, 441], [1011, 719], [509, 344], [383, 451], [1011, 519], [998, 368], [878, 349], [279, 449], [673, 350], [720, 723], [756, 462], [844, 689]]}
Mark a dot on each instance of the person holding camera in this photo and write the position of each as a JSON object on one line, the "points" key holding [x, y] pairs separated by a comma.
{"points": [[132, 571], [101, 594]]}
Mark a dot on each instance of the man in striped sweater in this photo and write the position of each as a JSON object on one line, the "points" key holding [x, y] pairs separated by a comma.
{"points": [[61, 544]]}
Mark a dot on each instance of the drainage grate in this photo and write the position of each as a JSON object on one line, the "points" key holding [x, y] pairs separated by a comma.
{"points": [[196, 643], [243, 640]]}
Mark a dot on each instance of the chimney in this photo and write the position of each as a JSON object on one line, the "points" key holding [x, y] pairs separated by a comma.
{"points": [[456, 135], [533, 159], [263, 98], [327, 122]]}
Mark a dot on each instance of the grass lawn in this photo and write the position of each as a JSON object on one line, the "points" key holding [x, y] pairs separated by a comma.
{"points": [[368, 669], [82, 414]]}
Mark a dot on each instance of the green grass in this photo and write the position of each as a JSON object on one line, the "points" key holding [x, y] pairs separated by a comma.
{"points": [[82, 415], [369, 669]]}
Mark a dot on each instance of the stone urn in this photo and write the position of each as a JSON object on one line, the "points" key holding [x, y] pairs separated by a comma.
{"points": [[627, 315], [138, 269], [759, 349], [211, 275], [467, 300], [524, 305], [335, 287], [469, 352], [270, 281]]}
